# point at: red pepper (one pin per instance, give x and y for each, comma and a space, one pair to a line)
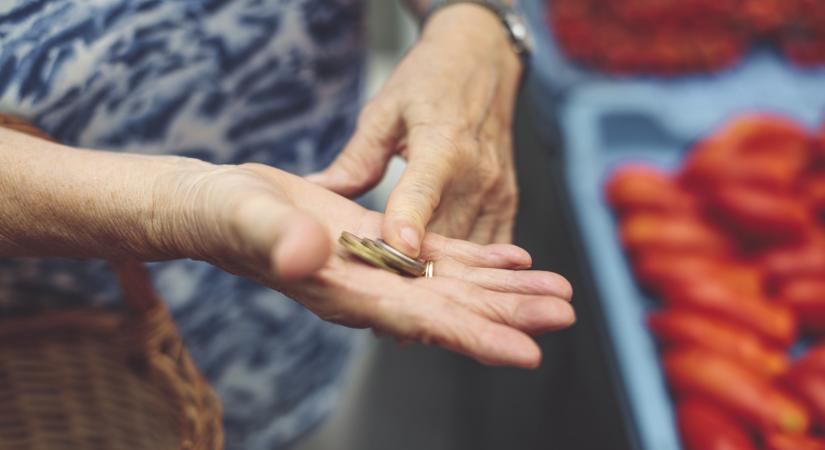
637, 188
779, 441
704, 426
761, 214
676, 328
809, 386
813, 359
773, 322
814, 192
764, 151
805, 50
748, 396
651, 232
819, 148
806, 297
659, 271
704, 171
785, 263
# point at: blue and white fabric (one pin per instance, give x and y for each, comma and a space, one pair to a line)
271, 81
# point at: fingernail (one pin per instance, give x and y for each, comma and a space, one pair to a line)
410, 236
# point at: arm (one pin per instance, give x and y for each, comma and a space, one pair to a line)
261, 223
70, 202
58, 201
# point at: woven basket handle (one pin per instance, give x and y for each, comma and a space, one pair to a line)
132, 276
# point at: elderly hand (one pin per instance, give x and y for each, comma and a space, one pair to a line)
262, 223
265, 224
447, 110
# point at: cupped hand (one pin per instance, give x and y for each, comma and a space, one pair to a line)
281, 230
447, 110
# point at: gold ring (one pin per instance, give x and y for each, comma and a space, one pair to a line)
429, 269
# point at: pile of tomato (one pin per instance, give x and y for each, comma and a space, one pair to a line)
733, 246
669, 37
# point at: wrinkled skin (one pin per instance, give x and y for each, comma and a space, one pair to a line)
447, 109
262, 223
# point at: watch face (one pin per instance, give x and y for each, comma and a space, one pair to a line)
518, 29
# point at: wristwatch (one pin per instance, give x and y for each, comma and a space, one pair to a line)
513, 23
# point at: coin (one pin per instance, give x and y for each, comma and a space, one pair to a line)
389, 259
380, 254
355, 247
399, 260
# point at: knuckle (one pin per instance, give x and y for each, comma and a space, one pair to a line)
349, 162
510, 199
453, 140
489, 176
371, 110
371, 119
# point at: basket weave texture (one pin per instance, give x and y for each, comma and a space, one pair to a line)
102, 380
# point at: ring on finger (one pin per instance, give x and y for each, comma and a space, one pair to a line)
429, 269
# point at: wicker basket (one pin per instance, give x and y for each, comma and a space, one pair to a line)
101, 380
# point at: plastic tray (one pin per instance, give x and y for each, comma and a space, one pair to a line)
607, 122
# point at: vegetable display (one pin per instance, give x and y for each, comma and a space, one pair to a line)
732, 245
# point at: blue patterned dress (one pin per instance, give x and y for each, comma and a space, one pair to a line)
272, 81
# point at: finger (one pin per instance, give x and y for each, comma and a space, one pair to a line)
356, 295
418, 193
293, 243
529, 313
362, 163
460, 330
424, 315
502, 256
532, 282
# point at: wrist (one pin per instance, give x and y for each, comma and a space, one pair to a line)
181, 218
477, 30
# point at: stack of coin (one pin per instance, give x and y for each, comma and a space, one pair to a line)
380, 254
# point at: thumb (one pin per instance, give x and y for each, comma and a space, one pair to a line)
292, 242
412, 203
361, 164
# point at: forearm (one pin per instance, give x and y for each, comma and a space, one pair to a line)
59, 201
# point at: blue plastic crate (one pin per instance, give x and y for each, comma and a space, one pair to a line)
606, 122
